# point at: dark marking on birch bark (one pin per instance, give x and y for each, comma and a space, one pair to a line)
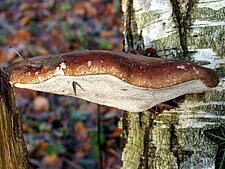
174, 146
129, 21
182, 12
133, 38
140, 119
125, 129
146, 160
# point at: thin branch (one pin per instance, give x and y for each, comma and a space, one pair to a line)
22, 57
99, 137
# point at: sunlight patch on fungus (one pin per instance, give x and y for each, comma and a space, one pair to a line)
59, 69
89, 63
181, 67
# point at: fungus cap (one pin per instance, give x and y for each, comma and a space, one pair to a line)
129, 82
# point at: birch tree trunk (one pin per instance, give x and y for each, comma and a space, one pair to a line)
188, 30
13, 152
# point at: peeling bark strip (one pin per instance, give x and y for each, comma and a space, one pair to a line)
13, 152
182, 11
174, 146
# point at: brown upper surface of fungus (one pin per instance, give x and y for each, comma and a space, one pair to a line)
137, 70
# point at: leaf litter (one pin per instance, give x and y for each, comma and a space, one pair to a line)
61, 132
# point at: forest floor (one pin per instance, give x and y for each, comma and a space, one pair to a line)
61, 132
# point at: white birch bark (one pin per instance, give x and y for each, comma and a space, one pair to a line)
188, 30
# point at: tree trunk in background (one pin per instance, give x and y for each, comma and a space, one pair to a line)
13, 152
188, 30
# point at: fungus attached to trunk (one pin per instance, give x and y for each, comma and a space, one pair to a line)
126, 81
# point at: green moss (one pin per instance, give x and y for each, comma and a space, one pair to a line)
221, 70
209, 96
213, 109
168, 47
171, 41
209, 14
145, 17
196, 97
208, 37
172, 118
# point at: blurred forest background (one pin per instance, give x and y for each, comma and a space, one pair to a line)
61, 132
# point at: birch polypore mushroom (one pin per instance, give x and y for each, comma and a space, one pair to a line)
126, 81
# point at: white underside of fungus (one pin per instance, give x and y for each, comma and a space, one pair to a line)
111, 91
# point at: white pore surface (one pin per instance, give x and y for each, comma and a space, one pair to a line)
111, 91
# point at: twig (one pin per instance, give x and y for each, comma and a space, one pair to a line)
72, 165
75, 84
99, 137
22, 57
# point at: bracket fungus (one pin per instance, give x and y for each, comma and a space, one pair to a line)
130, 82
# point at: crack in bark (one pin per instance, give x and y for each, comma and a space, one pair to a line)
134, 40
174, 145
182, 14
129, 23
140, 119
148, 149
4, 91
125, 130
